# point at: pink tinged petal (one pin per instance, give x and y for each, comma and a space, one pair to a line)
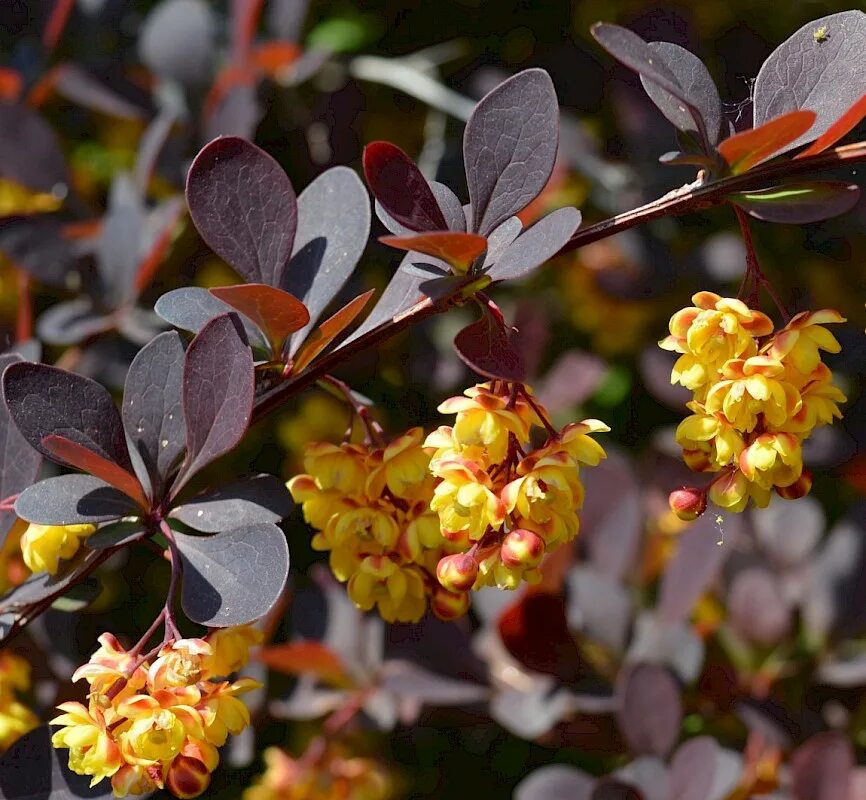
706, 300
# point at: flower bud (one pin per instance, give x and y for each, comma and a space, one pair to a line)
522, 548
457, 572
799, 488
187, 777
449, 605
688, 503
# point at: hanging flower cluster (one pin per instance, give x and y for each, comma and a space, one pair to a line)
42, 546
15, 718
157, 724
501, 503
330, 775
757, 397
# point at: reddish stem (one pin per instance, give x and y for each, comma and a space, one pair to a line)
24, 315
754, 266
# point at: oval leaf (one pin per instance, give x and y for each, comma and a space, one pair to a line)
244, 207
233, 577
555, 781
277, 313
509, 147
30, 152
821, 766
841, 127
45, 401
535, 246
116, 534
177, 41
650, 709
693, 769
72, 500
821, 68
400, 187
747, 149
458, 249
72, 322
800, 203
485, 347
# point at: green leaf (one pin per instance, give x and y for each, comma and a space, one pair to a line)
347, 34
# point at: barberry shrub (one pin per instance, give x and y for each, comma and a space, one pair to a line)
137, 441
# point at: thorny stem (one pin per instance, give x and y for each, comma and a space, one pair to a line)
176, 569
754, 266
24, 314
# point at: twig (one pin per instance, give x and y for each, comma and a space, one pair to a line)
754, 266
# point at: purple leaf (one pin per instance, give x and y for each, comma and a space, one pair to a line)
555, 782
72, 500
788, 532
152, 410
150, 146
610, 789
190, 308
333, 226
244, 207
233, 577
536, 245
486, 347
236, 114
821, 768
599, 606
72, 322
452, 208
572, 379
30, 152
286, 18
177, 41
800, 203
509, 147
628, 48
703, 549
46, 401
697, 86
262, 498
119, 247
500, 240
693, 769
218, 384
757, 607
37, 245
650, 710
821, 68
79, 86
401, 189
413, 682
116, 534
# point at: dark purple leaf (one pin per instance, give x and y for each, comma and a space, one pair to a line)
41, 586
152, 410
698, 88
650, 709
119, 247
401, 189
244, 207
72, 500
628, 48
79, 86
262, 498
233, 577
676, 158
72, 322
703, 548
485, 346
34, 770
333, 226
572, 379
30, 153
536, 245
449, 203
177, 41
839, 129
139, 325
218, 384
788, 532
800, 203
509, 147
693, 769
821, 68
46, 401
501, 239
115, 534
555, 782
37, 245
757, 607
611, 789
599, 606
191, 308
821, 768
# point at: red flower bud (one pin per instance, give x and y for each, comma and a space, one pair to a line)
799, 488
449, 605
688, 503
187, 777
522, 548
457, 572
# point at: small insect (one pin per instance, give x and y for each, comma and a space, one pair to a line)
821, 34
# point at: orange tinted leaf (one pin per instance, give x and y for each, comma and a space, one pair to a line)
742, 151
10, 85
458, 249
57, 20
86, 229
77, 455
276, 312
271, 57
305, 658
842, 126
331, 328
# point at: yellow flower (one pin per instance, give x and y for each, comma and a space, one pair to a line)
339, 467
820, 403
15, 720
157, 732
230, 649
709, 441
222, 712
734, 490
179, 664
396, 590
772, 459
319, 505
43, 546
800, 342
575, 440
464, 500
136, 779
92, 751
403, 468
751, 389
108, 664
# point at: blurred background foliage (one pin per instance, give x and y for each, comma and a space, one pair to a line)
589, 323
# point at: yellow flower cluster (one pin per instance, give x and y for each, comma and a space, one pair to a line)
757, 397
332, 775
371, 510
501, 503
154, 725
15, 718
42, 546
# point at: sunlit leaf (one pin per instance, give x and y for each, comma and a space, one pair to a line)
332, 327
800, 203
747, 149
458, 249
485, 346
305, 658
842, 126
